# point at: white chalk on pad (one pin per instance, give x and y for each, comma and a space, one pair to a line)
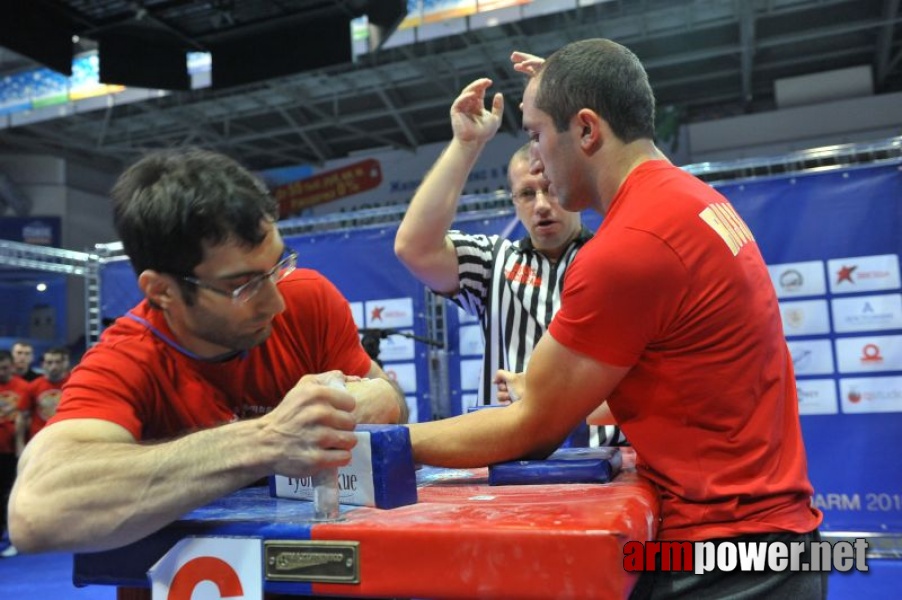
381, 472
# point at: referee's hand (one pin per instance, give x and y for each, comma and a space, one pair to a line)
510, 386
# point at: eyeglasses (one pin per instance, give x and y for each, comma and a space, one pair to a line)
245, 292
528, 195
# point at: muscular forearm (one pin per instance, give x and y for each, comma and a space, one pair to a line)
420, 242
434, 206
85, 484
86, 496
478, 439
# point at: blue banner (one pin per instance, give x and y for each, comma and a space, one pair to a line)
832, 241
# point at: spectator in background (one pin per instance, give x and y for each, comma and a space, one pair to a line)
13, 391
43, 396
23, 356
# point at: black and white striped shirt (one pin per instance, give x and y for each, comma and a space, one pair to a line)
514, 291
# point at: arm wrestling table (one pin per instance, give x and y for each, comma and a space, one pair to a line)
462, 539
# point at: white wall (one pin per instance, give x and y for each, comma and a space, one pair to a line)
778, 132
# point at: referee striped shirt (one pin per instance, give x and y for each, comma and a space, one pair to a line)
514, 290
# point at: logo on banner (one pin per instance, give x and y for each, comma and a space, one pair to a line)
865, 273
795, 317
817, 397
805, 317
38, 233
209, 569
871, 395
811, 357
390, 313
870, 353
328, 186
791, 280
867, 313
798, 279
845, 274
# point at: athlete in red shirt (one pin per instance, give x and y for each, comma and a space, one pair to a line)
670, 315
13, 392
43, 395
228, 330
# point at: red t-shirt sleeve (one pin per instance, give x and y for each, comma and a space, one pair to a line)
620, 295
337, 343
107, 386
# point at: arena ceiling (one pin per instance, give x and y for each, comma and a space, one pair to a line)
707, 59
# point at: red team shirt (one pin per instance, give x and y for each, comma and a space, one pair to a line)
674, 286
12, 395
41, 403
138, 377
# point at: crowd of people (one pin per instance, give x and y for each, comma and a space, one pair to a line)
665, 318
28, 399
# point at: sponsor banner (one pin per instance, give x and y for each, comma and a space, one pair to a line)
201, 568
869, 353
390, 313
468, 400
404, 374
470, 341
864, 273
351, 184
40, 231
327, 186
817, 396
792, 280
470, 372
396, 347
870, 395
413, 410
867, 313
463, 316
811, 357
805, 317
357, 314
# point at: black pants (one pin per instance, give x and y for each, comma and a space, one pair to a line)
737, 585
7, 478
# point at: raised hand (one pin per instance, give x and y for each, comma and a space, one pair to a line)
470, 120
528, 64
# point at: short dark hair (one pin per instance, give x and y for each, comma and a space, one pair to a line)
169, 203
6, 355
601, 75
59, 350
520, 154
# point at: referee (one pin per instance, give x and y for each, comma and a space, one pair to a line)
513, 287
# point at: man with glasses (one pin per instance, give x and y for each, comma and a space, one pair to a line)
512, 286
219, 378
